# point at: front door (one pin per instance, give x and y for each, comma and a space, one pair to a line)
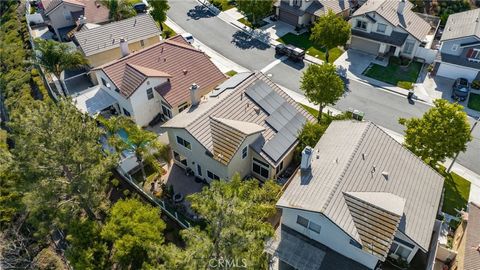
199, 170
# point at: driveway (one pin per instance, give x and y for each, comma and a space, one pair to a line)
354, 61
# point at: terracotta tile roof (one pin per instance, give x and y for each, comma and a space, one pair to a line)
93, 10
179, 61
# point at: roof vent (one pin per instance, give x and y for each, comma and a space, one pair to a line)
363, 156
306, 162
373, 169
185, 72
385, 174
257, 110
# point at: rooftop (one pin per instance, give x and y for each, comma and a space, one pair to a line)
107, 36
462, 24
93, 10
359, 160
471, 259
409, 20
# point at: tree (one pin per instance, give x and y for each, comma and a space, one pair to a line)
443, 131
60, 162
236, 213
48, 259
322, 86
144, 143
56, 57
255, 9
158, 11
330, 31
310, 135
135, 230
119, 9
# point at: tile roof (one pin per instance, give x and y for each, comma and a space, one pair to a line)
336, 6
471, 259
360, 157
178, 60
234, 104
462, 24
94, 11
409, 21
107, 36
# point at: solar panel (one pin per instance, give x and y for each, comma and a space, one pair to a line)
230, 83
265, 96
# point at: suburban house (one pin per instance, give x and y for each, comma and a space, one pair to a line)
305, 12
390, 27
358, 195
459, 54
465, 246
247, 125
63, 15
156, 80
101, 44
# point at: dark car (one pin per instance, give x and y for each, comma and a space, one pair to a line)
140, 7
460, 89
292, 52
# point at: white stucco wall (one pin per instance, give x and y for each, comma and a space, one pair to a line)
57, 16
144, 110
122, 101
330, 235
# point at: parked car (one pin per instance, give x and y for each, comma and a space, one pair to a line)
140, 7
460, 89
293, 53
188, 37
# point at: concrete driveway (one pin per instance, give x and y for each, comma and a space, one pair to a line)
355, 62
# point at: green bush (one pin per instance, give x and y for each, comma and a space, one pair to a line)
115, 182
476, 84
126, 192
405, 85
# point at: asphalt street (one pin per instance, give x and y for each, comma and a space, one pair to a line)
380, 106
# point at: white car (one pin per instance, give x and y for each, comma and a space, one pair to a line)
188, 37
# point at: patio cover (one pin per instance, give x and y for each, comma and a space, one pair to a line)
94, 101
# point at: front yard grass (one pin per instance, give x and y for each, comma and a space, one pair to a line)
247, 22
223, 4
167, 31
474, 102
303, 41
457, 190
394, 73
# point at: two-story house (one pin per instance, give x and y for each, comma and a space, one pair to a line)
156, 80
63, 15
101, 44
247, 125
388, 27
459, 54
361, 196
305, 12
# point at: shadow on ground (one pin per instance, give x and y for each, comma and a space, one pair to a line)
199, 12
244, 41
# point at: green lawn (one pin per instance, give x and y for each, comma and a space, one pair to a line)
149, 172
474, 102
456, 194
310, 110
245, 21
231, 73
223, 4
303, 41
393, 73
167, 31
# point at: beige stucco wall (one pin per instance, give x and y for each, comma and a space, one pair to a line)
115, 53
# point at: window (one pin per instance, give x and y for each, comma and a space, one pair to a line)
67, 15
408, 48
180, 158
105, 83
261, 168
314, 227
381, 28
127, 113
199, 169
302, 221
142, 43
473, 54
279, 167
182, 106
400, 249
297, 3
244, 152
166, 111
149, 93
212, 175
455, 47
184, 143
361, 25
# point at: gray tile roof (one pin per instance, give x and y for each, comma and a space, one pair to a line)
462, 24
353, 157
106, 37
471, 259
409, 21
235, 104
395, 38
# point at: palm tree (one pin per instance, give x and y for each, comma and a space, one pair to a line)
56, 57
119, 9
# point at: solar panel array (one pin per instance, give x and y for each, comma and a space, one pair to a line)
283, 118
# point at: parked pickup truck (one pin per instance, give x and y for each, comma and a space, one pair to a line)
293, 53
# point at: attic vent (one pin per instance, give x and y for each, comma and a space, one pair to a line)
363, 156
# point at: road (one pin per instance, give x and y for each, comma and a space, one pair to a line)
381, 107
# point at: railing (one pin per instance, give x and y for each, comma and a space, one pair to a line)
166, 208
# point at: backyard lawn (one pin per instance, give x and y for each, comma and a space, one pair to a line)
457, 190
303, 41
393, 73
474, 102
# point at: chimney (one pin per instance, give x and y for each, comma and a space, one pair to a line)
195, 94
401, 7
81, 20
306, 158
124, 47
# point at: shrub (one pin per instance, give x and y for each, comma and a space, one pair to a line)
476, 84
405, 85
115, 182
126, 192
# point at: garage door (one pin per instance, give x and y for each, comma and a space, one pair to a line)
454, 72
365, 45
287, 17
